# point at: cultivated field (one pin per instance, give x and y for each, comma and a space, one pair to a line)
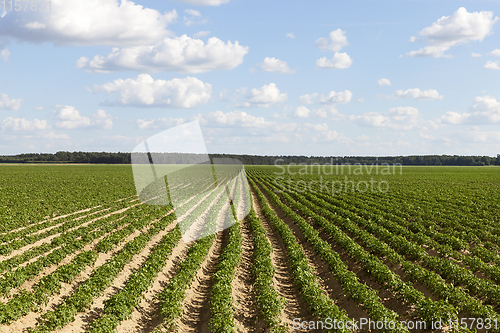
409, 247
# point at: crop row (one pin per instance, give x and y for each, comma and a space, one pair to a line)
350, 283
455, 295
100, 279
173, 294
426, 309
121, 305
303, 275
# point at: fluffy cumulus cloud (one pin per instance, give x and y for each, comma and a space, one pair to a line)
21, 124
332, 97
416, 93
301, 112
495, 53
290, 35
144, 91
264, 96
90, 22
7, 103
336, 97
275, 65
205, 2
484, 111
334, 43
398, 118
159, 123
67, 117
384, 82
5, 54
179, 54
235, 118
304, 112
459, 28
339, 61
492, 65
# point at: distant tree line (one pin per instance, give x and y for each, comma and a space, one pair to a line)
126, 158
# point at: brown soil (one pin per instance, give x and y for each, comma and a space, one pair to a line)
196, 308
246, 315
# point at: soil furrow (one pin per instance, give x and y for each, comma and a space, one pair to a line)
246, 314
196, 308
295, 306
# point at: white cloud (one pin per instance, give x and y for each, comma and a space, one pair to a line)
326, 110
335, 42
54, 136
205, 2
495, 53
193, 17
416, 93
339, 61
264, 96
476, 55
192, 12
69, 118
301, 112
384, 82
159, 123
333, 97
7, 103
317, 127
236, 118
144, 91
492, 64
336, 97
179, 54
39, 108
484, 111
304, 112
200, 34
275, 65
371, 119
308, 98
454, 118
90, 22
5, 54
20, 124
403, 113
398, 118
460, 28
290, 35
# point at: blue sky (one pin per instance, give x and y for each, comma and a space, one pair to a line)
267, 78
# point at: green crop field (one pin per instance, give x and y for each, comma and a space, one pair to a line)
352, 248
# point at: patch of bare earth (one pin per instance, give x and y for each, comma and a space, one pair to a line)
295, 306
82, 320
196, 307
146, 317
246, 314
